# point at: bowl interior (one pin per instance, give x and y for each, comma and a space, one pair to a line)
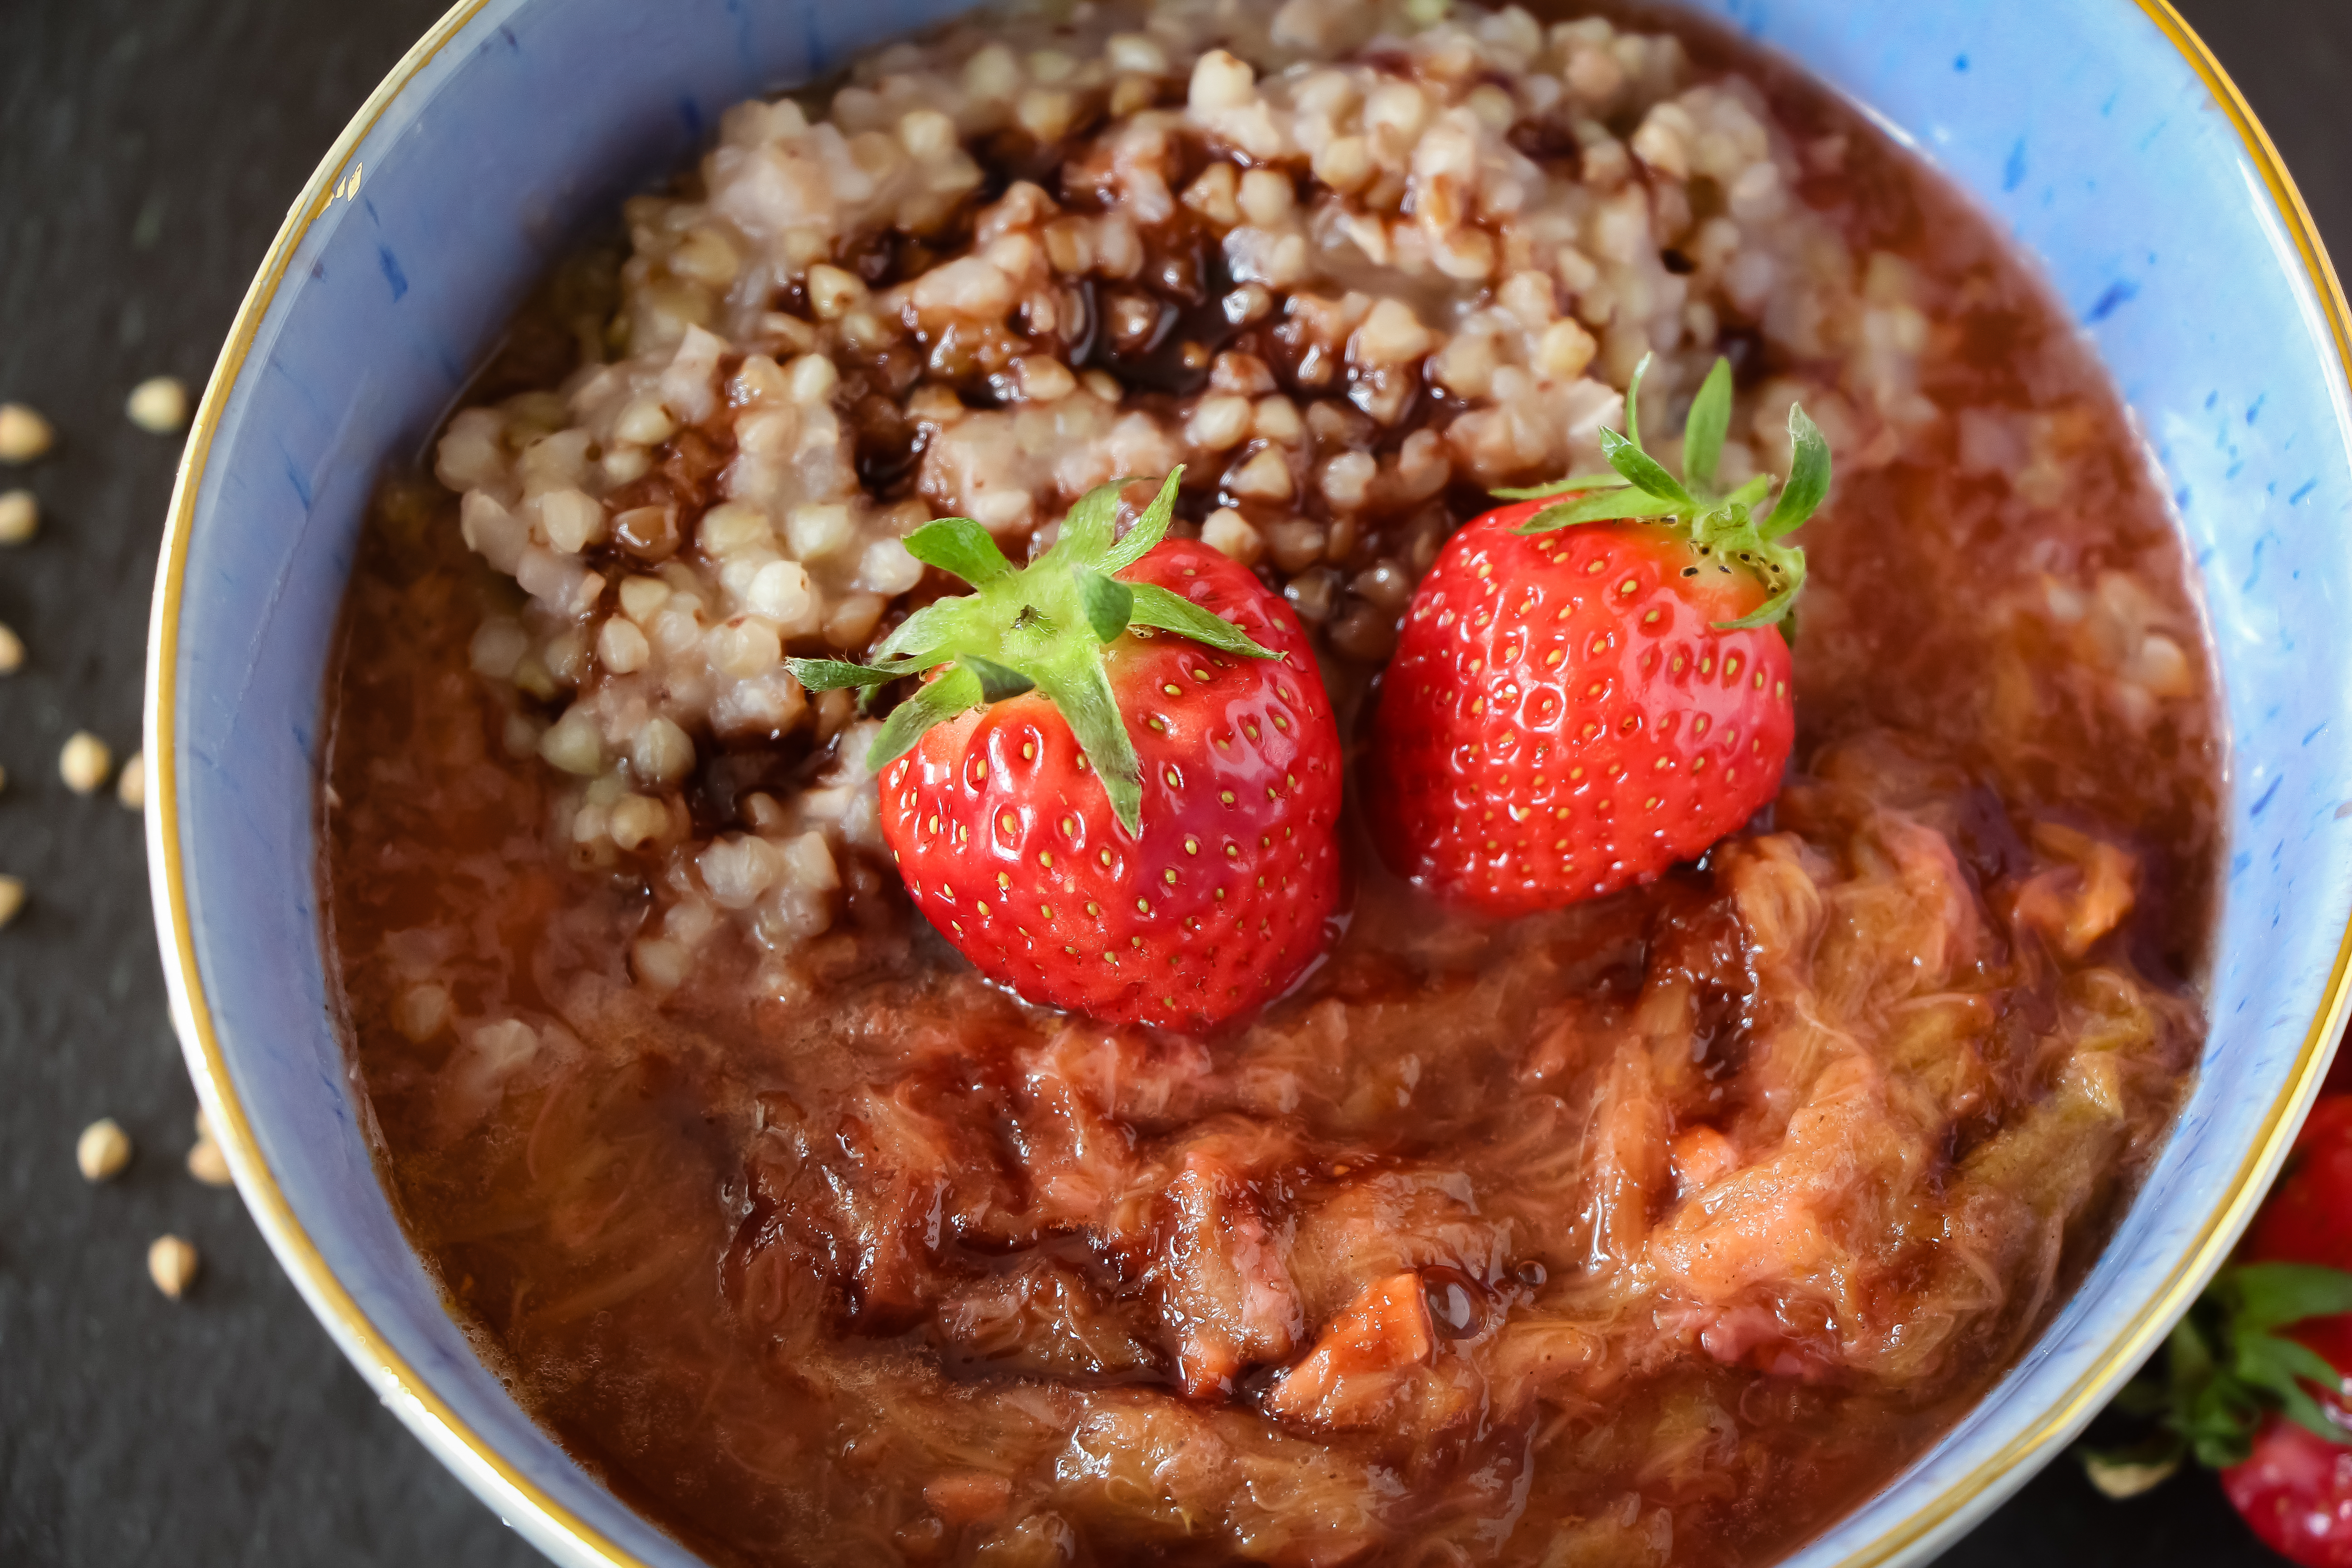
2086, 129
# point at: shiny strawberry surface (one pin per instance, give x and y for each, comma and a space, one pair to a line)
1563, 719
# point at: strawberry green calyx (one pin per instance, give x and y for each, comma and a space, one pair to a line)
1043, 627
2225, 1368
1726, 526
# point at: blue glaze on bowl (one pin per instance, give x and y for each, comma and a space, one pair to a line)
2084, 128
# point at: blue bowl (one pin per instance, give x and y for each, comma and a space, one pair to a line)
2100, 132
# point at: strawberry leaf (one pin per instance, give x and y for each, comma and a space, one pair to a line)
2265, 1296
2212, 1410
2280, 1367
997, 682
1089, 536
834, 674
1809, 476
1608, 482
1089, 530
2268, 1361
2188, 1355
960, 547
1084, 696
1644, 471
1608, 505
1708, 424
1633, 401
1169, 612
1149, 528
919, 637
1109, 603
957, 691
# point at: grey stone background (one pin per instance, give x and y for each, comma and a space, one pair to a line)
148, 151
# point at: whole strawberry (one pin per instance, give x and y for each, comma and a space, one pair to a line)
1120, 794
2256, 1379
2293, 1481
1589, 685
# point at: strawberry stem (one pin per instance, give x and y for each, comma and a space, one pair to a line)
1040, 627
1641, 488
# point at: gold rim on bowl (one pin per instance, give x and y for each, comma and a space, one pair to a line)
517, 1494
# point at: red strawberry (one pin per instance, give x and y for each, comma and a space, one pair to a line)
1123, 791
1590, 689
2294, 1491
2257, 1379
2295, 1485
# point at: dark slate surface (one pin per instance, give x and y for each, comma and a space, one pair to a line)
148, 150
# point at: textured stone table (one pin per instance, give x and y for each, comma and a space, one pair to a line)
148, 150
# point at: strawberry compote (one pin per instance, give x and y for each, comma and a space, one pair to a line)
1656, 1230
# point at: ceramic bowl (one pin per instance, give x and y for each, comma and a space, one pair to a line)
2099, 131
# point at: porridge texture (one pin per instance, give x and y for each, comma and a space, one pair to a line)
1655, 1230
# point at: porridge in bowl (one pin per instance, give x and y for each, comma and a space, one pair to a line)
1433, 1115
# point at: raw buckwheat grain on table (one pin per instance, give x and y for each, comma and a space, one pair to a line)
1657, 1230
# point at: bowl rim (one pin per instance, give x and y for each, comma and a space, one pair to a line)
414, 1398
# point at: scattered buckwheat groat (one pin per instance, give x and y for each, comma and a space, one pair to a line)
12, 652
131, 788
23, 434
12, 898
102, 1150
158, 405
208, 1164
20, 517
172, 1264
85, 762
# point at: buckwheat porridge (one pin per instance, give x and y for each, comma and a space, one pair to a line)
1654, 1227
